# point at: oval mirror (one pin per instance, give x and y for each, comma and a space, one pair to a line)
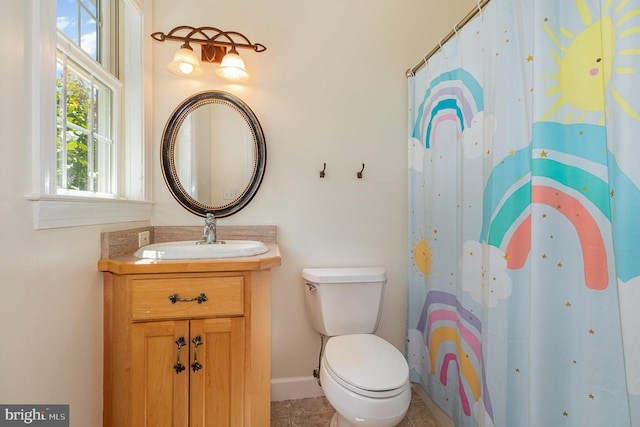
213, 154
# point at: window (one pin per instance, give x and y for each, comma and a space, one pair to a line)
89, 152
86, 108
87, 100
81, 21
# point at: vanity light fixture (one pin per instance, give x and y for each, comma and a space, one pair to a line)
217, 47
185, 63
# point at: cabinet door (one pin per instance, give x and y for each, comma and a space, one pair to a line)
217, 388
159, 391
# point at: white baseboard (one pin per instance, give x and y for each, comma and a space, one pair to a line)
294, 388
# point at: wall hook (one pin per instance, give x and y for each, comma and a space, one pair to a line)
322, 172
360, 173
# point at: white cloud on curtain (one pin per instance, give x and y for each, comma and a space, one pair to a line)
524, 200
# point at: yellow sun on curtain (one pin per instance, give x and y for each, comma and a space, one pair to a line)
587, 63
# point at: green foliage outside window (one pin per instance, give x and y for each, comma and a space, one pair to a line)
76, 165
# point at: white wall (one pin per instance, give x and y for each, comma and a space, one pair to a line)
50, 289
330, 88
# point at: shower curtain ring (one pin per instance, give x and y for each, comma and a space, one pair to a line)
479, 8
455, 29
442, 49
424, 61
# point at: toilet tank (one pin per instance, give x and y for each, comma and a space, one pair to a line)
341, 301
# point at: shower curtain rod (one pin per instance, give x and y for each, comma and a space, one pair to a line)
481, 4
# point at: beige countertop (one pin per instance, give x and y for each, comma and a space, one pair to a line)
129, 264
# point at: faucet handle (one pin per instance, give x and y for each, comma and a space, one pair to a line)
210, 219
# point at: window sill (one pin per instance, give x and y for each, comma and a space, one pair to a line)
57, 211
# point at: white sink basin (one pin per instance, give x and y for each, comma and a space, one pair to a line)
192, 250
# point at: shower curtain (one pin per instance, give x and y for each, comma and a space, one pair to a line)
524, 217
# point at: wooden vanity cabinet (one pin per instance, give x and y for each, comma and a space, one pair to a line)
210, 396
187, 349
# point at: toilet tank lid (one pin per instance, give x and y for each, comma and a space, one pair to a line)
344, 275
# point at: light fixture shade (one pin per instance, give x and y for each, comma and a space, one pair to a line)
232, 68
185, 63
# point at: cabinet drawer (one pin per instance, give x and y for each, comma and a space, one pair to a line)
177, 298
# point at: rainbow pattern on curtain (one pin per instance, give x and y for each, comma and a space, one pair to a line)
524, 216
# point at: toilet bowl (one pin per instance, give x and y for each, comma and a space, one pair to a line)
366, 380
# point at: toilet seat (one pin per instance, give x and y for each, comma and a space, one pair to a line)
367, 365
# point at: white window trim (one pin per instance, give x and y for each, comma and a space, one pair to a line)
55, 211
52, 210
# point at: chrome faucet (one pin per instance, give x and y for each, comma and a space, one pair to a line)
209, 229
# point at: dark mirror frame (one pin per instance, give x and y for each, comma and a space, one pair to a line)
167, 151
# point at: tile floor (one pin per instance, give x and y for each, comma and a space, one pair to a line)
317, 412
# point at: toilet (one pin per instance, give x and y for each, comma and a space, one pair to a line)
365, 378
